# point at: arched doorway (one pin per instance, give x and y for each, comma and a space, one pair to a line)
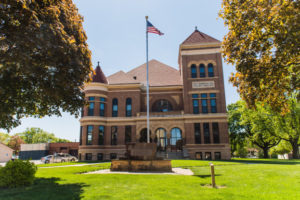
161, 139
143, 136
176, 141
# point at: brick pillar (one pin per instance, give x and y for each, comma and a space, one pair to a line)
97, 106
121, 135
211, 133
107, 135
95, 135
202, 133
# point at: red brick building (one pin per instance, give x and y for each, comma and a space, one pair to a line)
187, 107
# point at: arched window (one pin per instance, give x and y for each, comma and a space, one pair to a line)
162, 105
193, 71
210, 70
115, 107
161, 136
202, 70
176, 139
143, 136
128, 107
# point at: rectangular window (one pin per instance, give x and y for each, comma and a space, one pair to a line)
102, 106
210, 70
88, 156
197, 133
204, 105
198, 155
114, 135
217, 155
206, 133
195, 106
101, 135
89, 138
113, 156
80, 136
207, 155
127, 134
91, 106
216, 134
100, 156
213, 103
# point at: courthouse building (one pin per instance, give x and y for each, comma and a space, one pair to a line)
187, 107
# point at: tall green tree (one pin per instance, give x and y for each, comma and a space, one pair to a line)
238, 132
263, 131
288, 126
37, 135
44, 59
263, 43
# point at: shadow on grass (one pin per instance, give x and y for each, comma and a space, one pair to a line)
265, 161
44, 188
206, 176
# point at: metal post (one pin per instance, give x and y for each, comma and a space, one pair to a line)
148, 121
213, 181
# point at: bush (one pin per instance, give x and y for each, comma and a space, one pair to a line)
17, 173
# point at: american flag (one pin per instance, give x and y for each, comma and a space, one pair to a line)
152, 29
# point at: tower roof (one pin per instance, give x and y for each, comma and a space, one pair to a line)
99, 76
198, 37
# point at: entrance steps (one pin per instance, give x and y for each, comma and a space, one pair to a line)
170, 155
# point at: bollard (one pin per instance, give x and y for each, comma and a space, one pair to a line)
213, 181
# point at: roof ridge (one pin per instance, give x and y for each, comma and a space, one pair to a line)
194, 38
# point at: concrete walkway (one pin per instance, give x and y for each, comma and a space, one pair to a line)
175, 171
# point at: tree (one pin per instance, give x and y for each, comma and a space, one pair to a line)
44, 59
263, 131
37, 135
288, 126
263, 43
15, 142
237, 131
4, 138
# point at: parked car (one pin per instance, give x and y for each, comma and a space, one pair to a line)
60, 157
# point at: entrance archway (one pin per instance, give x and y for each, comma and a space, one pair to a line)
143, 136
161, 139
176, 141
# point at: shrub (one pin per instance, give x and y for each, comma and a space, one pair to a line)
17, 173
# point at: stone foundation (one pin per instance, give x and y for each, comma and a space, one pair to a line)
141, 165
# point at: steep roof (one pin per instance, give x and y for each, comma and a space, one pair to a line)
3, 146
198, 37
159, 75
99, 75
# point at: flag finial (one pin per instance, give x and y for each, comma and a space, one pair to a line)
146, 17
98, 63
196, 28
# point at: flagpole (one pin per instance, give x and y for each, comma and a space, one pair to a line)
148, 121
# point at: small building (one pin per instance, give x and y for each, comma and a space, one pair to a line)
33, 151
64, 147
36, 151
5, 153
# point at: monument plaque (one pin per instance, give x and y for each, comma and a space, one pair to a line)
203, 84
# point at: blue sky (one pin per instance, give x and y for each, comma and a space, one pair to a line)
116, 37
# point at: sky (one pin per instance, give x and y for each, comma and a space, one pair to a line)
116, 38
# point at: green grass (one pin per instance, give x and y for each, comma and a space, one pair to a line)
68, 163
261, 179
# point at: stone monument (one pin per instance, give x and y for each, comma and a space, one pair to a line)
141, 157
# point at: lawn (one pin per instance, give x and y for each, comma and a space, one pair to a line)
240, 178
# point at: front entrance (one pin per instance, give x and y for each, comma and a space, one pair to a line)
161, 139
